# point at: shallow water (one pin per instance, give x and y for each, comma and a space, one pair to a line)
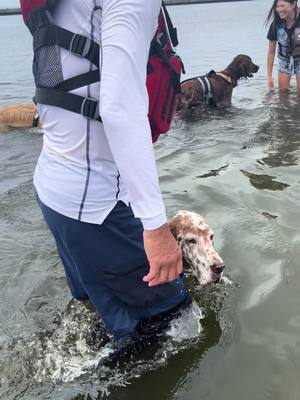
240, 169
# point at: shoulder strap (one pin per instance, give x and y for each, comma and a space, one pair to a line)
171, 28
77, 44
297, 23
29, 7
51, 4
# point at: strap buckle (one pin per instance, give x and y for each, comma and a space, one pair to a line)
80, 45
89, 108
162, 40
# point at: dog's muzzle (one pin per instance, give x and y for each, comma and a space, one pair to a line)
217, 268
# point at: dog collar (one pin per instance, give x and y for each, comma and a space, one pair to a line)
226, 77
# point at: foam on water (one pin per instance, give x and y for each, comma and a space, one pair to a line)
65, 354
188, 326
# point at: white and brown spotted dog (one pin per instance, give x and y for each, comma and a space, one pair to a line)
195, 237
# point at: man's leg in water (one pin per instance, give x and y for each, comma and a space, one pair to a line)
107, 263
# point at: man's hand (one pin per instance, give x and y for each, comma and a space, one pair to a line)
164, 256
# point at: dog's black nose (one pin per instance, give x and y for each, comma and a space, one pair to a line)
217, 268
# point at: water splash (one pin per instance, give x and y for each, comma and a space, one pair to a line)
188, 326
69, 352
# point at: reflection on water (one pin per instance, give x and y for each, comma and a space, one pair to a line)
282, 130
264, 181
213, 172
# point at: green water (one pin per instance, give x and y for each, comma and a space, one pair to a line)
240, 169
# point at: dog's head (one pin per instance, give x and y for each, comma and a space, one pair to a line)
195, 238
244, 66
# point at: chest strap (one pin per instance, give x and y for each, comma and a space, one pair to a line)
85, 106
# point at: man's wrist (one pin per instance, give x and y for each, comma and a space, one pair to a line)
156, 222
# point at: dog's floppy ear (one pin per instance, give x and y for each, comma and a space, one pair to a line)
239, 65
244, 64
244, 70
174, 225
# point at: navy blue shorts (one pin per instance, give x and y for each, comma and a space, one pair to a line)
106, 264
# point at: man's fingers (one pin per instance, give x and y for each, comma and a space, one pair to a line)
157, 275
163, 275
172, 273
153, 273
164, 256
179, 266
149, 277
154, 282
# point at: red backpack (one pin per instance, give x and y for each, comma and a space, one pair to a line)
163, 70
163, 78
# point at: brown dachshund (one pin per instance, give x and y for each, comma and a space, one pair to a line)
18, 116
215, 88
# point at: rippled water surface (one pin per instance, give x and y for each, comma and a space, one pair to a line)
240, 169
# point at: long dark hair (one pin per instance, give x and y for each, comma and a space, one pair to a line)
273, 15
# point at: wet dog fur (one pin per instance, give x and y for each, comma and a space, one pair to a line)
17, 116
195, 237
192, 101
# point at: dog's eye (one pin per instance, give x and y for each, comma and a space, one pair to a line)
191, 241
211, 237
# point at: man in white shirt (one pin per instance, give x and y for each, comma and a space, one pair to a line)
88, 172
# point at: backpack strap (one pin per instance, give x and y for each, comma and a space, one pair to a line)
79, 45
85, 106
295, 40
170, 26
69, 101
87, 78
164, 40
46, 34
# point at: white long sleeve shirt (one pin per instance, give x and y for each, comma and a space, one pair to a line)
85, 167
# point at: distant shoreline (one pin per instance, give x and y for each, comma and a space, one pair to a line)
10, 11
188, 2
17, 11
